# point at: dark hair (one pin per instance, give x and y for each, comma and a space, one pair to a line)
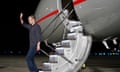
32, 16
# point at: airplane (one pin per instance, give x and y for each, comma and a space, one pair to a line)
99, 19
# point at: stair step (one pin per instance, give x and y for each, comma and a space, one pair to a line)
41, 71
74, 22
63, 51
46, 66
44, 71
58, 44
57, 59
66, 43
53, 58
71, 24
59, 51
76, 28
73, 36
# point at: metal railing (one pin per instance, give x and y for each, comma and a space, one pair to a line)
56, 17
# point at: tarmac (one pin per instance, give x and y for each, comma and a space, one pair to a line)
17, 63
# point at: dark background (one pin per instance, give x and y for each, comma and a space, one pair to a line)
14, 37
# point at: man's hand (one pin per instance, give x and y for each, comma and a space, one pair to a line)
38, 46
21, 16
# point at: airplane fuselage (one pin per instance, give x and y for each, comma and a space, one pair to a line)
100, 18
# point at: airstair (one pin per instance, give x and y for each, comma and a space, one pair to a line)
72, 52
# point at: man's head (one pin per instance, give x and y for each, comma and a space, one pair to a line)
31, 19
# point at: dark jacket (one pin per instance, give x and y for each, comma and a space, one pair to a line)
34, 34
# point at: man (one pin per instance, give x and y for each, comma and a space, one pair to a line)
35, 39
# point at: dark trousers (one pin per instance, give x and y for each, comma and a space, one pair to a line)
30, 59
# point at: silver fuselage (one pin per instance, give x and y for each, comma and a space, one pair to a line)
101, 18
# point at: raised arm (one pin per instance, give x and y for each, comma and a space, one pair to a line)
21, 18
23, 23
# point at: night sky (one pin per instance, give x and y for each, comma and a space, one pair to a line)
14, 36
